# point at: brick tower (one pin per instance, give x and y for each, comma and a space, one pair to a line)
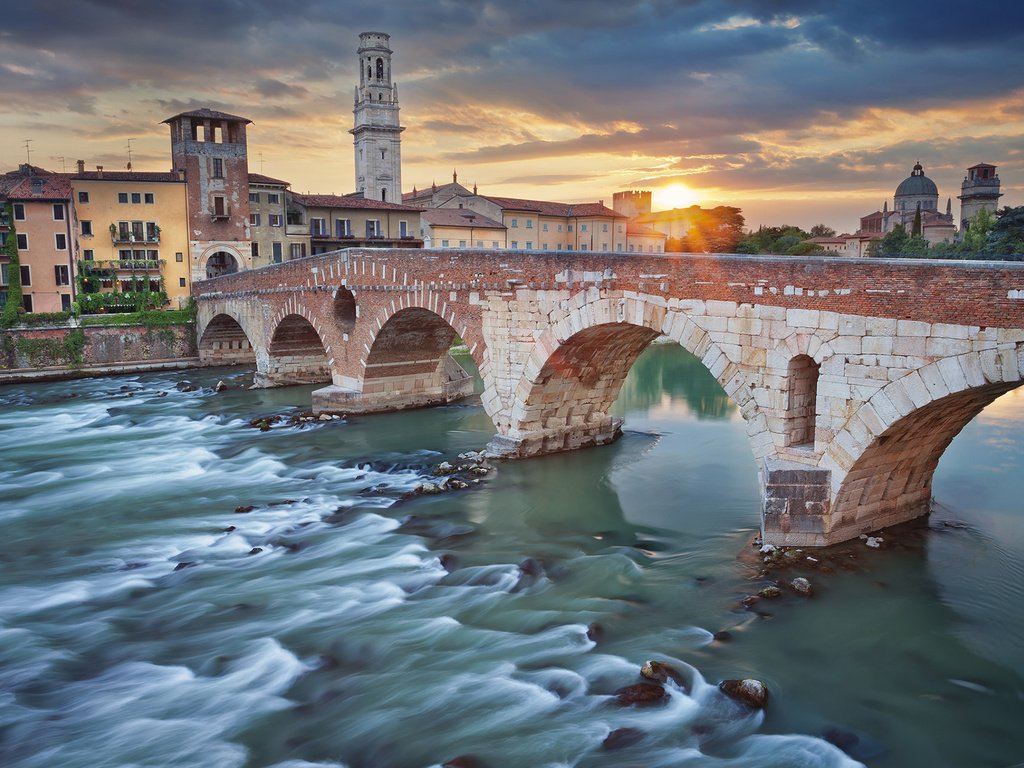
209, 148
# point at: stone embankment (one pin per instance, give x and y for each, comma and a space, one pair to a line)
65, 351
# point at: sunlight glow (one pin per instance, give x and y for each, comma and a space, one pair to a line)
675, 195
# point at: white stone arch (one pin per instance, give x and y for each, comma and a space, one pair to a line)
590, 310
883, 459
225, 348
203, 259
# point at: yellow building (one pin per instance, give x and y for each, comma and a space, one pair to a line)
132, 231
455, 228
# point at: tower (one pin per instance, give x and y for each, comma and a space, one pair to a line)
980, 189
209, 149
376, 132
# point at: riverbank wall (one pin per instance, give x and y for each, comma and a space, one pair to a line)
46, 353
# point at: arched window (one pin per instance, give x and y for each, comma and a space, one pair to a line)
369, 72
803, 396
384, 195
380, 69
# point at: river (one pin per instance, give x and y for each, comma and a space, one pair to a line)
146, 622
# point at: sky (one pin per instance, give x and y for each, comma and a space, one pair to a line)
796, 111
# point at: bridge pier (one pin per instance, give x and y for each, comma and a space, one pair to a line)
557, 439
795, 504
445, 382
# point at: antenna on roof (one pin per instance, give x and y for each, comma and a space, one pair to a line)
130, 154
261, 162
28, 151
63, 164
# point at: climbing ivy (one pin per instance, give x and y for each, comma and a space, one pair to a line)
67, 350
12, 308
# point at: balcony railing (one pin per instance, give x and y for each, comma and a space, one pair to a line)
122, 265
122, 238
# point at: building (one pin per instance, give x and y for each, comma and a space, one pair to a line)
979, 190
461, 228
268, 220
376, 132
340, 221
132, 231
632, 203
44, 226
830, 244
209, 147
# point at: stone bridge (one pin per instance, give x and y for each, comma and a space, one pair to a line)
853, 375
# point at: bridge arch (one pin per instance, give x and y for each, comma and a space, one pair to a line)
883, 461
577, 367
224, 341
297, 352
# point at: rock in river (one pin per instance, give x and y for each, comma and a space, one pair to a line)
751, 692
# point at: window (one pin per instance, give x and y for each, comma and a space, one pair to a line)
569, 227
58, 212
343, 227
515, 222
149, 197
298, 250
138, 232
373, 227
60, 241
277, 253
583, 227
178, 257
22, 242
462, 243
545, 246
219, 209
19, 212
604, 246
479, 243
274, 219
26, 275
317, 226
529, 223
559, 227
494, 243
620, 229
515, 243
444, 243
181, 282
152, 232
83, 197
152, 254
218, 168
529, 245
273, 199
254, 197
136, 198
60, 274
125, 254
254, 219
86, 228
604, 227
403, 229
26, 301
255, 250
65, 302
803, 394
544, 226
87, 254
122, 197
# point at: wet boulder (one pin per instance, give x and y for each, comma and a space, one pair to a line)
622, 737
660, 672
751, 692
641, 695
220, 386
770, 592
801, 586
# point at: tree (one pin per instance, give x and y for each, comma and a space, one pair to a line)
820, 230
716, 230
915, 230
1006, 238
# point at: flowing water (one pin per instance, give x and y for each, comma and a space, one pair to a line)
145, 622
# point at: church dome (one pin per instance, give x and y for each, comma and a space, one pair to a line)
917, 185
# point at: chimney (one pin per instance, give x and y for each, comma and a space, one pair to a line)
81, 166
601, 203
99, 171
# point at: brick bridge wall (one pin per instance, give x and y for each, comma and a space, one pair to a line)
896, 356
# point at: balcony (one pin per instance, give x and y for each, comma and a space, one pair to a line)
122, 238
121, 265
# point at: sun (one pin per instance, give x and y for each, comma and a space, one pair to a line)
675, 195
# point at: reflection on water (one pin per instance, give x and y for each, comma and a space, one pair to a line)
145, 621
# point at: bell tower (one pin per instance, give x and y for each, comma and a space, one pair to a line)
376, 133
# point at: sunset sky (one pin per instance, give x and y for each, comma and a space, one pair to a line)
797, 111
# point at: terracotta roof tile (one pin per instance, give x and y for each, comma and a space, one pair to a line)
259, 178
342, 201
126, 176
554, 209
459, 217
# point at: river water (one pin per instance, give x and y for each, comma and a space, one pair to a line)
145, 622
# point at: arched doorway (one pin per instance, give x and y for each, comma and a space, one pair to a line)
221, 263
